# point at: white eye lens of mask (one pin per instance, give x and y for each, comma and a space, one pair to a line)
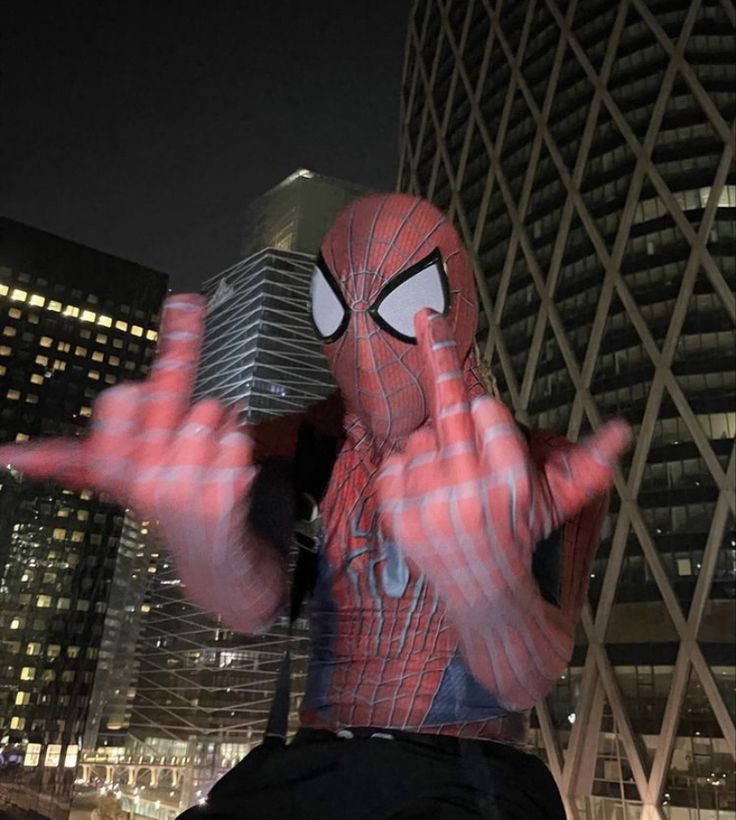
422, 286
329, 313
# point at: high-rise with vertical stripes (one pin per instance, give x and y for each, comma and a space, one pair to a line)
585, 151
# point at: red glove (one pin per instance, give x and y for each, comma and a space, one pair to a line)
467, 504
188, 467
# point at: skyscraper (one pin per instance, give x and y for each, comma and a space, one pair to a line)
585, 151
74, 321
203, 693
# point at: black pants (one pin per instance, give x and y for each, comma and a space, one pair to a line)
413, 777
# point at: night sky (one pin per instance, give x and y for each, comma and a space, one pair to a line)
145, 128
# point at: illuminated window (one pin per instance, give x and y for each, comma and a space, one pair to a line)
21, 437
72, 651
85, 495
80, 351
43, 601
33, 754
85, 411
63, 603
42, 360
37, 300
28, 673
71, 310
105, 321
136, 330
77, 536
16, 623
32, 398
151, 335
48, 675
54, 305
22, 698
97, 356
101, 339
13, 395
63, 512
53, 650
64, 347
120, 325
59, 364
3, 290
3, 369
5, 350
17, 722
94, 374
8, 330
53, 755
46, 341
15, 313
19, 295
33, 648
88, 316
113, 360
70, 759
59, 534
110, 379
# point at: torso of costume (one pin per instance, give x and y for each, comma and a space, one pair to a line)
384, 653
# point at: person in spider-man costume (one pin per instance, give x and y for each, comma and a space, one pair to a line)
455, 551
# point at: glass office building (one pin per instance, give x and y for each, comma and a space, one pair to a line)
202, 695
585, 151
72, 322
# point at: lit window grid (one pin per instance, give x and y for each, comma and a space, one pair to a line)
17, 294
38, 604
100, 346
440, 173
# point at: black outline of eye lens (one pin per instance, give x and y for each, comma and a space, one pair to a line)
433, 258
322, 265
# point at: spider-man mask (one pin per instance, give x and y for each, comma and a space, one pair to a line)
385, 258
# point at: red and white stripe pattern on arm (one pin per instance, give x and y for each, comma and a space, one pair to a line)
189, 468
467, 503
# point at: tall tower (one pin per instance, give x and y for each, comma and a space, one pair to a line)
72, 322
584, 150
204, 692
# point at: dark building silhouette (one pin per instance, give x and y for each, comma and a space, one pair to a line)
72, 321
585, 152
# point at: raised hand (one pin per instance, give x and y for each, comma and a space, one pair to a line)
190, 468
467, 504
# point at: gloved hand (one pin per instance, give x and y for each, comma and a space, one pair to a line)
467, 504
188, 468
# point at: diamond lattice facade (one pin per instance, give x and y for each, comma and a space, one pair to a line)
585, 151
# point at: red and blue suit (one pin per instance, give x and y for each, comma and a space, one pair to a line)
456, 546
